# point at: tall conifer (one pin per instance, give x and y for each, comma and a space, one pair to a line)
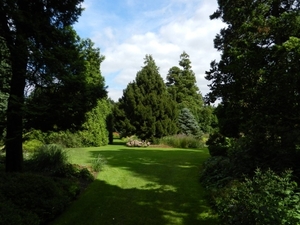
148, 109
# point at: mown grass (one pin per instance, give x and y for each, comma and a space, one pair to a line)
141, 186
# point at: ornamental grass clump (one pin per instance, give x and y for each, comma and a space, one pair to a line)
98, 163
49, 159
182, 141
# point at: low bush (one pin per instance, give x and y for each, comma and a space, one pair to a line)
216, 173
182, 141
28, 199
64, 138
126, 139
267, 198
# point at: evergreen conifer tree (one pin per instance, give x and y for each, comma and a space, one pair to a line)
188, 124
258, 77
146, 107
181, 85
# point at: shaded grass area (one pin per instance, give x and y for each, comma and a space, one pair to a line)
141, 186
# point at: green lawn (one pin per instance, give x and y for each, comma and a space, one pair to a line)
141, 186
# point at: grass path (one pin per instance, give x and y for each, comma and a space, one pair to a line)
138, 186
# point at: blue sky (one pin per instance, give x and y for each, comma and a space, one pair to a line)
127, 30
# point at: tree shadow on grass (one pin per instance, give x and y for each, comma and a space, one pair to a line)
162, 186
143, 186
118, 142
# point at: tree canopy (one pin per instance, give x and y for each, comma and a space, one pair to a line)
181, 84
62, 104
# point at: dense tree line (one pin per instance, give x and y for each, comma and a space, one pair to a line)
257, 77
257, 80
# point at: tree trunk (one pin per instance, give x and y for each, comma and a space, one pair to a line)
14, 153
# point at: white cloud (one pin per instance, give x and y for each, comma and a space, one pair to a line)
164, 33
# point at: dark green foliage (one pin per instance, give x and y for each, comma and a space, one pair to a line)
267, 198
145, 108
63, 105
66, 139
110, 128
257, 77
182, 86
49, 159
5, 76
229, 119
216, 173
28, 199
207, 119
93, 132
257, 80
41, 50
218, 145
188, 124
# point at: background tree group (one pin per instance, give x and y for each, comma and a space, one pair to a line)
257, 80
152, 109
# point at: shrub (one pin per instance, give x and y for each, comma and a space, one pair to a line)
85, 174
64, 138
32, 145
126, 139
27, 199
218, 144
182, 141
267, 198
216, 172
